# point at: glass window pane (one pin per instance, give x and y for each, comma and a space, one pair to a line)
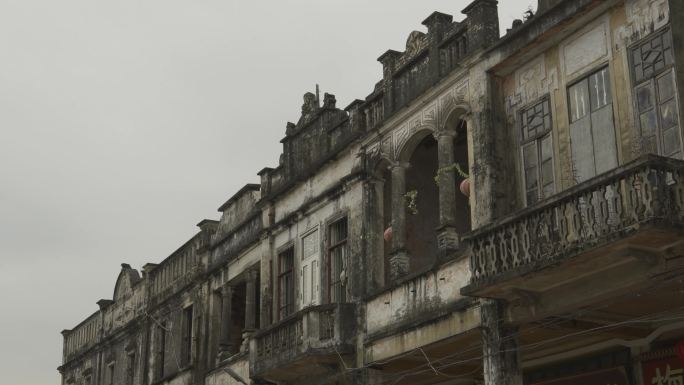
648, 123
668, 114
666, 86
546, 148
531, 178
532, 197
599, 86
548, 190
670, 141
530, 156
547, 173
644, 98
579, 101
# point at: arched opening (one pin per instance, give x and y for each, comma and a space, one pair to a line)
422, 204
386, 219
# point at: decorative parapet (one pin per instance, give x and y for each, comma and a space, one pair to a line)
82, 337
609, 207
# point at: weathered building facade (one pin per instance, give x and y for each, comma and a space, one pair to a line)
357, 260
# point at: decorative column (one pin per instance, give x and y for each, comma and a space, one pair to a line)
447, 237
250, 308
501, 359
399, 259
375, 214
226, 344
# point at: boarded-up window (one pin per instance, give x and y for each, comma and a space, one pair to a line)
537, 151
656, 95
592, 132
286, 285
337, 262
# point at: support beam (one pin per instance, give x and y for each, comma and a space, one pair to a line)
501, 359
446, 233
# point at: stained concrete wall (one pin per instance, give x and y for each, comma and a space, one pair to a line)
329, 160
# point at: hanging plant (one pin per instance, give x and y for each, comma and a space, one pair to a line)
411, 204
452, 167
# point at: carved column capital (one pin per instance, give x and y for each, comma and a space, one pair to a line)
449, 134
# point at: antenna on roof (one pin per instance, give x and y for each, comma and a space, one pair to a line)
318, 96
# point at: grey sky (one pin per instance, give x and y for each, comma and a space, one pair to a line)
124, 123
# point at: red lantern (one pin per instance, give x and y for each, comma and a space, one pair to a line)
388, 234
465, 187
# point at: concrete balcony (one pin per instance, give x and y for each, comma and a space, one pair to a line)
306, 344
617, 232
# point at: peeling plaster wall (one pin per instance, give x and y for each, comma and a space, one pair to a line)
414, 299
220, 377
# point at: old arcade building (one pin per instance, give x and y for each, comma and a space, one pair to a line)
502, 208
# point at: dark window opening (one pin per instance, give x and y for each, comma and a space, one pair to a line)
238, 315
161, 349
286, 284
130, 368
186, 344
337, 261
422, 205
386, 221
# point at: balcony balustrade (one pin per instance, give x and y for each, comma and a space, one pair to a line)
640, 204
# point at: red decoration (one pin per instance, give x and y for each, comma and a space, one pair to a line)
388, 234
465, 187
680, 350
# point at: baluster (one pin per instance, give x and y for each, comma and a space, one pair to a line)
504, 256
618, 204
526, 241
515, 248
603, 213
647, 193
633, 185
678, 194
562, 227
491, 255
590, 228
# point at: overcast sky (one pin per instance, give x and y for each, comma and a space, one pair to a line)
123, 123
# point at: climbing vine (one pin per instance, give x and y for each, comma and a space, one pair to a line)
452, 167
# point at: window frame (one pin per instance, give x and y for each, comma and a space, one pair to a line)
161, 348
537, 139
130, 367
188, 314
586, 76
285, 310
330, 249
652, 83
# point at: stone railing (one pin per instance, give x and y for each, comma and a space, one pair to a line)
611, 206
82, 337
316, 327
